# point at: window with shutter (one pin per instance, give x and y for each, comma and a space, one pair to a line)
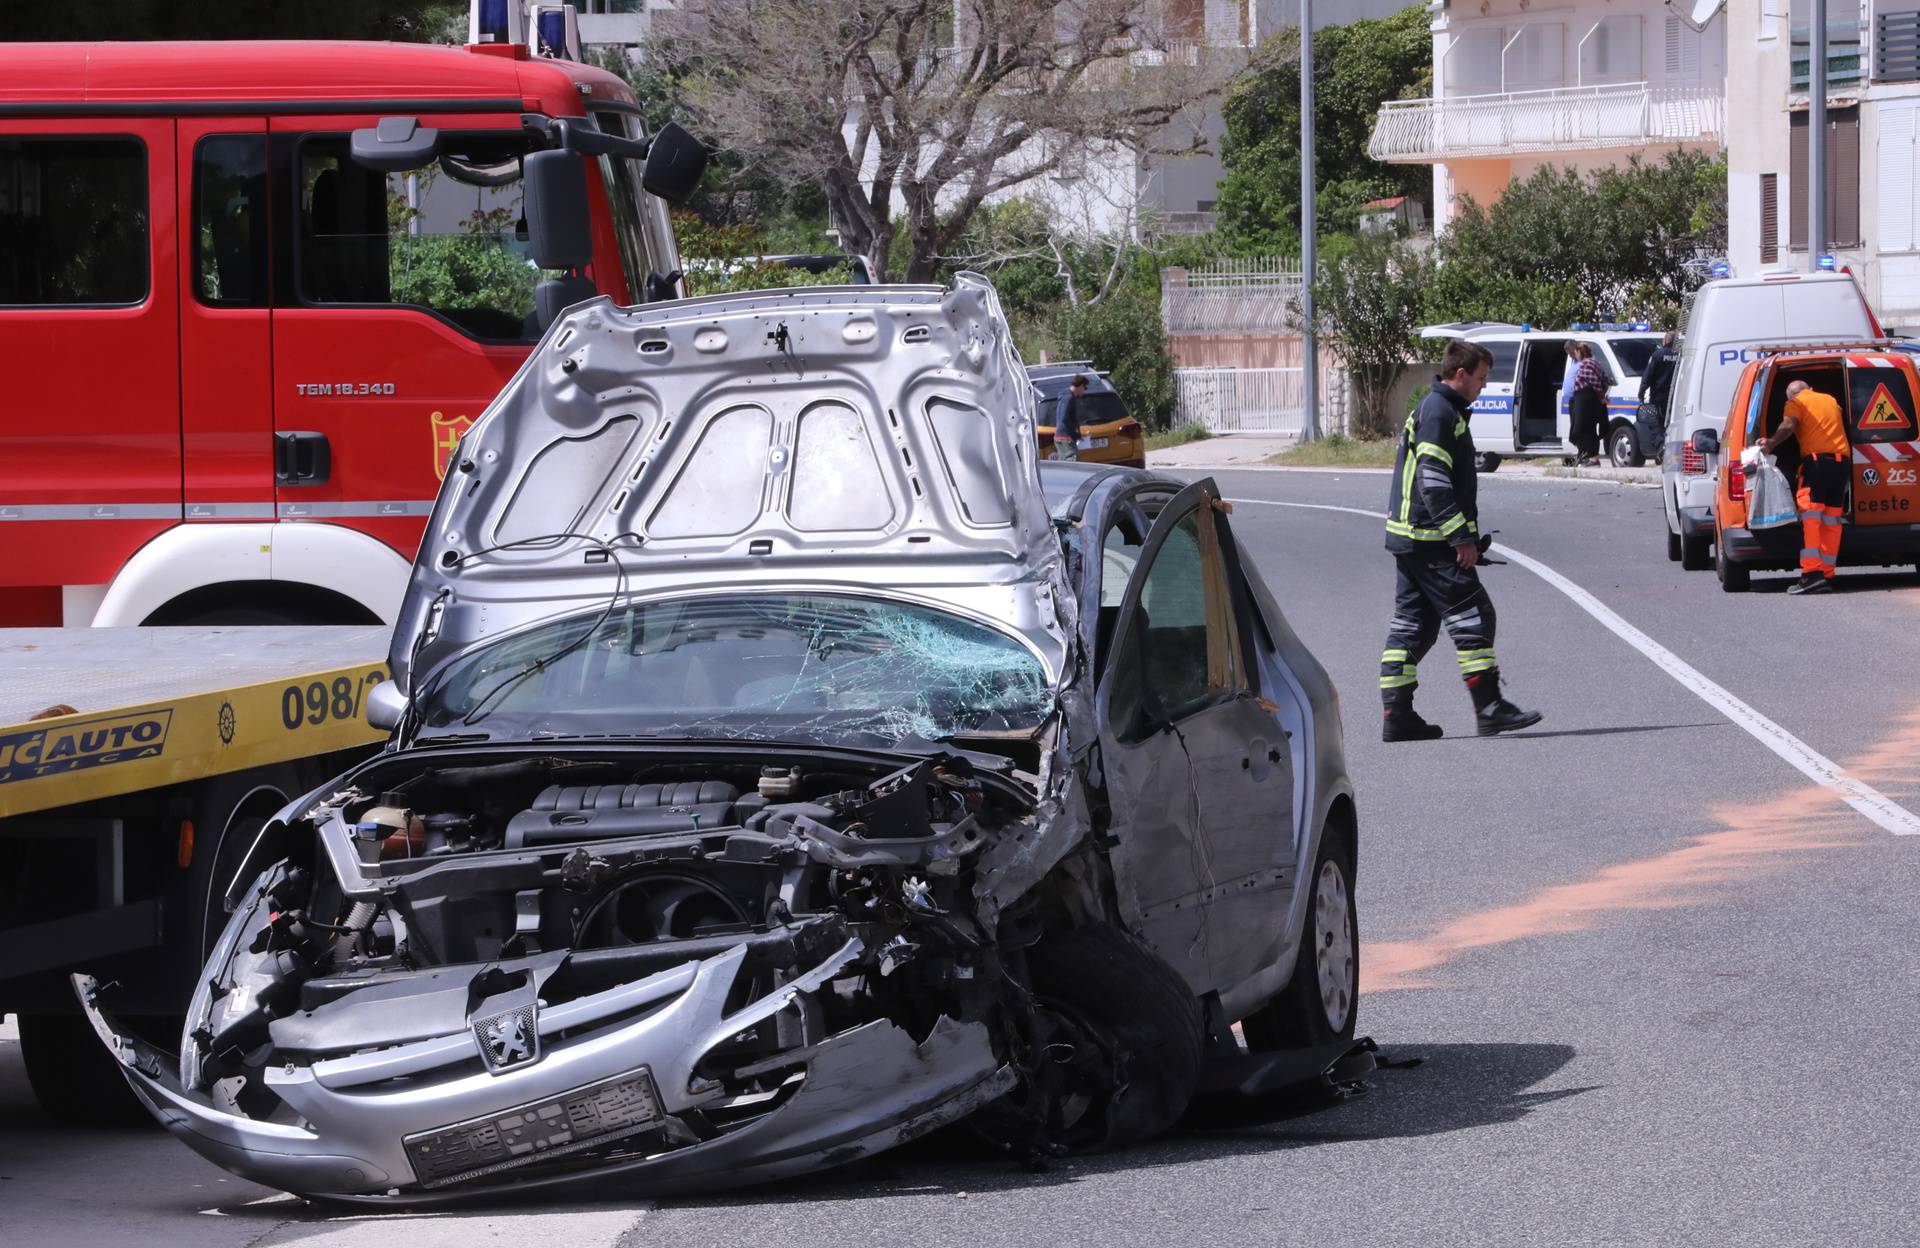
1683, 50
1894, 222
1769, 218
1843, 180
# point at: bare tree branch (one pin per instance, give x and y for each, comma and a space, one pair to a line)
933, 107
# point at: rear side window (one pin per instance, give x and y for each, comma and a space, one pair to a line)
1506, 357
1632, 354
230, 220
449, 238
73, 221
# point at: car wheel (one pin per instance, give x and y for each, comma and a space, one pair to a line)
1486, 461
1695, 553
1735, 578
1673, 546
72, 1074
1623, 447
1320, 1001
1118, 1042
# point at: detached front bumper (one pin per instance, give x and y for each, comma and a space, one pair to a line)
426, 1122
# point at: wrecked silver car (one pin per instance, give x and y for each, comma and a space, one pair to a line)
784, 765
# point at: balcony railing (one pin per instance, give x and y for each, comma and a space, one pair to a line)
1563, 119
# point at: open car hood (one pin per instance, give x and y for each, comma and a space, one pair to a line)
851, 440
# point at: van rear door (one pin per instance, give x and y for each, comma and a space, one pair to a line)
1882, 428
89, 329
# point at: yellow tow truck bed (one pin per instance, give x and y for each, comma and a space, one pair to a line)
95, 713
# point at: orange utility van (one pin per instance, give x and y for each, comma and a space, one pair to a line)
1876, 386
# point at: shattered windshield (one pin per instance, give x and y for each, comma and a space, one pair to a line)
754, 666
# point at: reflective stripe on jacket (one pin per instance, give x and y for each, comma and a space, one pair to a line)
1434, 500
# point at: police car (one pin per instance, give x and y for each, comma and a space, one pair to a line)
1520, 413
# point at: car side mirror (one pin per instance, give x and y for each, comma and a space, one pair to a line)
559, 231
395, 145
675, 161
1706, 441
386, 706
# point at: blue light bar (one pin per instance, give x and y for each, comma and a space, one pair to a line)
1826, 262
1720, 268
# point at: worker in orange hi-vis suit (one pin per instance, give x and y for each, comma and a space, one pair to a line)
1826, 466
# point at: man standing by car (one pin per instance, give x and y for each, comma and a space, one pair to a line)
1433, 530
1656, 382
1826, 468
1066, 426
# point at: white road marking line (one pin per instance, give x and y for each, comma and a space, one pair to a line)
1823, 771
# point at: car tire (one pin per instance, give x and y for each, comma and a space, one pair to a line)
1623, 447
73, 1076
1486, 461
1107, 983
1695, 553
1673, 546
1322, 998
1735, 578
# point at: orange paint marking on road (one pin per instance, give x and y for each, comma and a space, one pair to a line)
1760, 836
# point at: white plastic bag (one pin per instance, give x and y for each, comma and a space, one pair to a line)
1770, 501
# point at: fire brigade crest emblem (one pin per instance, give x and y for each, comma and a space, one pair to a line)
447, 432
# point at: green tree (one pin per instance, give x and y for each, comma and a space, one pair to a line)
1626, 242
1356, 67
1123, 337
1369, 300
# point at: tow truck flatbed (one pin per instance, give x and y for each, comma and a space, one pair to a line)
87, 714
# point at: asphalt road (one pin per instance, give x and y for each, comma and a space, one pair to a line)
1661, 985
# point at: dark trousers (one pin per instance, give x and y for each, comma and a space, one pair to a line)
1434, 590
1587, 421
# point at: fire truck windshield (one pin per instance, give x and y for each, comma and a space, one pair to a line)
641, 221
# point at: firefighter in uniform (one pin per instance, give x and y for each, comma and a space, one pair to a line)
1433, 531
1826, 469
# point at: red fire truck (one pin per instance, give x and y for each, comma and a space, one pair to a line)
252, 294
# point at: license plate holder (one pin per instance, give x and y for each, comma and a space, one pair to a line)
553, 1126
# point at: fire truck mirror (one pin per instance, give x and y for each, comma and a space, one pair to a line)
675, 161
395, 145
559, 232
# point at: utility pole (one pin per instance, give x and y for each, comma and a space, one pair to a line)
1309, 343
1817, 135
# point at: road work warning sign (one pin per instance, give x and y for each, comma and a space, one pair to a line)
1882, 412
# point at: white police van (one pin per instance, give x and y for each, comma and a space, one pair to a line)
1729, 322
1520, 414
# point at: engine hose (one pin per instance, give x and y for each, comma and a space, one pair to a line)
359, 919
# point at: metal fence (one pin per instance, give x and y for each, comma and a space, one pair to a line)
1245, 295
1256, 400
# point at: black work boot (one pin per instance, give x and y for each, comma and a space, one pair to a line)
1400, 722
1493, 713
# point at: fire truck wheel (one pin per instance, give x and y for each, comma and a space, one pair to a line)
72, 1075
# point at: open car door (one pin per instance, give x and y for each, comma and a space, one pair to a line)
1198, 771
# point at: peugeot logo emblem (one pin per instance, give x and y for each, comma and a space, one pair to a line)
508, 1040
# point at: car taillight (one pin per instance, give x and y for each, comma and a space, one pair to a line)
1692, 462
1736, 483
1129, 429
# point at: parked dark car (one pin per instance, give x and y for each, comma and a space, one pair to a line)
785, 764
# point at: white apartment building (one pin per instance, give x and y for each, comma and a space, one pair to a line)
1518, 84
1873, 137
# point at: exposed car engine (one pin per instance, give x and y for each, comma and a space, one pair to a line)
544, 889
